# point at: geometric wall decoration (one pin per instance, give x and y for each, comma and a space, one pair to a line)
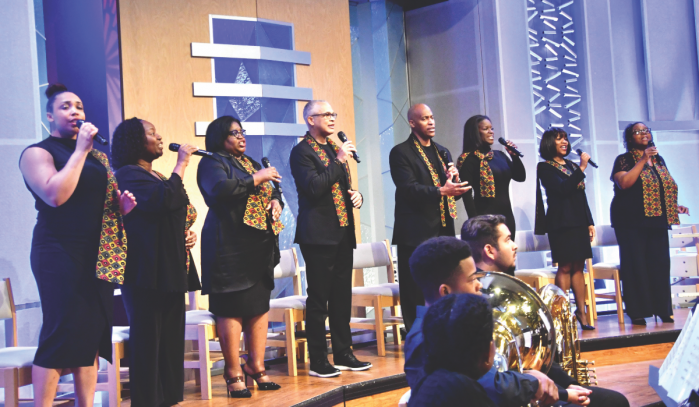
554, 67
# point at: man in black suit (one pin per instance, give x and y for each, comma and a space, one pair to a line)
426, 191
325, 232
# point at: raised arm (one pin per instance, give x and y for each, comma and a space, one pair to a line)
214, 182
551, 180
152, 194
312, 182
519, 174
627, 176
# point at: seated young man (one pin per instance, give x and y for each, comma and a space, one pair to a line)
458, 348
442, 266
494, 250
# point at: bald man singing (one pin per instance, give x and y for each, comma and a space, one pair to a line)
427, 186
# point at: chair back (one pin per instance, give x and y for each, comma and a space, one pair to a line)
289, 267
604, 236
527, 241
8, 313
375, 254
683, 242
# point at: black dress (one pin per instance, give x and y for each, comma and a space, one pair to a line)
644, 247
76, 305
237, 260
155, 281
504, 170
568, 216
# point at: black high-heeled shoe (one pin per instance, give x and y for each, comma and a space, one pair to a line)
237, 394
667, 320
638, 321
256, 376
583, 326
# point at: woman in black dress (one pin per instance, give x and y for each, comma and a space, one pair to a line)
240, 247
160, 268
568, 219
643, 208
79, 205
488, 171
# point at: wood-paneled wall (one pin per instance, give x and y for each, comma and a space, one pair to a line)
158, 70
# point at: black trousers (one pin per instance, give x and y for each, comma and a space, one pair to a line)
601, 397
644, 255
156, 346
329, 277
410, 293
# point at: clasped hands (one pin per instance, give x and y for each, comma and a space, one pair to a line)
451, 187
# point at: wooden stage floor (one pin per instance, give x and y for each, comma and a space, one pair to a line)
618, 369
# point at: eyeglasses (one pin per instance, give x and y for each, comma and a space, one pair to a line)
238, 134
639, 132
326, 115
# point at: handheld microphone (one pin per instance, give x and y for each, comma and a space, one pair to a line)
343, 138
504, 143
100, 138
651, 144
176, 147
445, 158
592, 163
265, 163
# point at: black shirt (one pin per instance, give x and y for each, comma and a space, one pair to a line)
446, 388
627, 209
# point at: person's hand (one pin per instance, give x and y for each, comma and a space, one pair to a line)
126, 202
453, 172
452, 188
591, 229
578, 395
683, 210
547, 393
510, 150
85, 136
275, 208
584, 158
648, 153
345, 151
267, 174
184, 153
190, 239
357, 198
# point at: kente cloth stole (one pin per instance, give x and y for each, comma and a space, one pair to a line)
338, 199
189, 220
486, 174
566, 171
451, 202
651, 190
111, 257
255, 209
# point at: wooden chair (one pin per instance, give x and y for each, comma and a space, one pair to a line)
291, 311
537, 278
605, 236
387, 295
15, 361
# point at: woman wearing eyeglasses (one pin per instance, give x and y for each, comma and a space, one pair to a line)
643, 209
239, 249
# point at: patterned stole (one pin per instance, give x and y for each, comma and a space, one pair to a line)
651, 190
451, 202
111, 257
566, 171
189, 220
255, 210
486, 174
338, 199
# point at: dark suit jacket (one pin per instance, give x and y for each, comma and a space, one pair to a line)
417, 216
567, 205
229, 248
317, 222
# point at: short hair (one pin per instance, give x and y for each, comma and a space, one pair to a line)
309, 108
435, 262
480, 231
51, 92
218, 131
128, 142
547, 147
628, 135
457, 332
472, 136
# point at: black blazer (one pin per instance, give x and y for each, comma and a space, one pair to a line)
227, 242
317, 222
567, 205
417, 216
155, 230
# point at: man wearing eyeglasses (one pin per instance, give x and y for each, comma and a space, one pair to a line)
426, 189
325, 233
